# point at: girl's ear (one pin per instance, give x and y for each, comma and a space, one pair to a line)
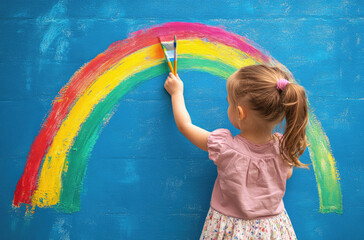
242, 112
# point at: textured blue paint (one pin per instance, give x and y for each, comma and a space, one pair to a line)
144, 176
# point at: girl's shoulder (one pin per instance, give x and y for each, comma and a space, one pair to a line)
220, 133
218, 137
217, 141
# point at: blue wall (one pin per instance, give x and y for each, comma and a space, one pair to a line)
144, 178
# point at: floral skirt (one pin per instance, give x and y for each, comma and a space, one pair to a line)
218, 226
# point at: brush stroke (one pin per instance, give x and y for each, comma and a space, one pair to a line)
327, 175
84, 77
49, 184
56, 142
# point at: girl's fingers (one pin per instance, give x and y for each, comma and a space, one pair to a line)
172, 75
172, 78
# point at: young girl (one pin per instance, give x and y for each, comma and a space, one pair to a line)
253, 166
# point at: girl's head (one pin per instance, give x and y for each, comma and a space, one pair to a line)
255, 88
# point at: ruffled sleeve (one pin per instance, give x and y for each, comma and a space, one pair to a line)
216, 143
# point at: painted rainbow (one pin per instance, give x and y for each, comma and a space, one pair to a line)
57, 161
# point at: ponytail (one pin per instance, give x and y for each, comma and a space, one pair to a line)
274, 100
293, 142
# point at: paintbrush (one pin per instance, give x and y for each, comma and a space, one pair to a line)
175, 55
166, 56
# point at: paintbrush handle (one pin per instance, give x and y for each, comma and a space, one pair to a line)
175, 55
170, 66
175, 67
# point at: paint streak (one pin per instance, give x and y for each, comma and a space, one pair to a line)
95, 89
57, 32
60, 229
327, 175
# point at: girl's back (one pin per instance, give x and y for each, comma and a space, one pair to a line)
251, 178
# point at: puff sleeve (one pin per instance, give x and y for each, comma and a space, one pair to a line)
216, 143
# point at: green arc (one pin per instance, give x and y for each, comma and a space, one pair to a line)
70, 199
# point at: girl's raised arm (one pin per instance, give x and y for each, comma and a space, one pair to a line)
195, 134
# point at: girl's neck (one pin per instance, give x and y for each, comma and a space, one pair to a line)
255, 129
257, 138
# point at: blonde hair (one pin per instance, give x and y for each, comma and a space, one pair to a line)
256, 85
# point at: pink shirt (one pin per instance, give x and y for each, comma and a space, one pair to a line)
251, 179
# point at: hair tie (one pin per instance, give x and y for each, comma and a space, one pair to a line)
282, 83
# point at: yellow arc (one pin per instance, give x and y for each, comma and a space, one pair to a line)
49, 184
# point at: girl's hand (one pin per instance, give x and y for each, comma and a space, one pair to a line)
173, 84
